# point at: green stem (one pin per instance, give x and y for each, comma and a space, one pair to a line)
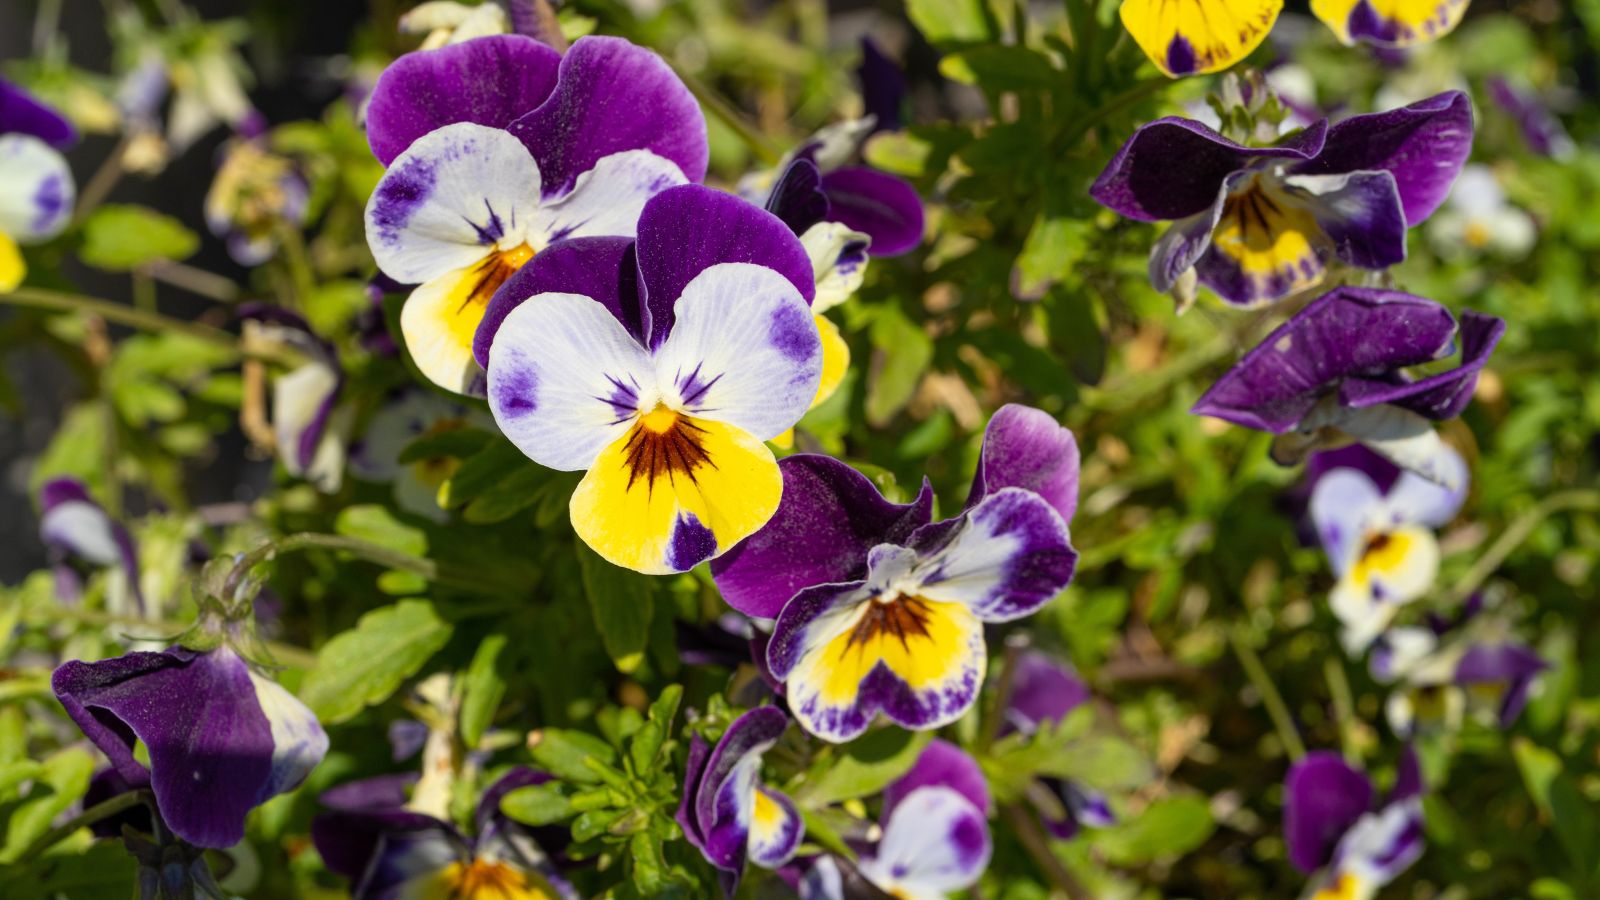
288, 654
99, 186
430, 569
1344, 711
1270, 698
722, 109
1578, 499
1002, 692
297, 262
1033, 839
193, 280
99, 812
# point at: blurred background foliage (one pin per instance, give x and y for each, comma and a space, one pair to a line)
1193, 569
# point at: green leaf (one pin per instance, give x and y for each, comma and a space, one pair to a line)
997, 67
1559, 800
1054, 247
101, 872
903, 352
77, 450
950, 21
649, 868
622, 602
1076, 334
482, 472
457, 443
13, 774
1169, 827
539, 804
562, 752
62, 780
120, 237
365, 665
864, 766
648, 740
374, 523
483, 688
524, 487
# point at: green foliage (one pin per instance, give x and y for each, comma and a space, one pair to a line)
368, 663
122, 237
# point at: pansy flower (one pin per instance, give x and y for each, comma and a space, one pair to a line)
1195, 37
879, 609
659, 367
255, 193
1338, 833
1390, 23
1375, 523
220, 738
308, 425
407, 415
727, 813
1043, 693
1442, 671
499, 147
36, 187
1336, 372
77, 530
1257, 224
444, 22
1477, 220
390, 852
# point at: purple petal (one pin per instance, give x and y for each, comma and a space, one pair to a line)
943, 764
23, 113
379, 792
1382, 472
938, 843
109, 783
600, 268
210, 744
1345, 332
1323, 797
883, 86
752, 732
693, 780
1183, 245
771, 849
1505, 663
1172, 168
1442, 396
488, 812
1360, 213
797, 197
687, 229
492, 81
1043, 691
613, 96
1026, 448
1408, 776
883, 207
1424, 145
406, 862
1543, 132
348, 840
830, 516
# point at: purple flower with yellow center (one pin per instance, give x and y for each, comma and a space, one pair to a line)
221, 739
389, 852
308, 425
1337, 832
1336, 372
878, 608
659, 367
77, 530
499, 147
36, 187
727, 813
1375, 523
1043, 693
1257, 224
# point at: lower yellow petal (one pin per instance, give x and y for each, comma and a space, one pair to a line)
674, 492
1272, 239
440, 318
1194, 37
12, 268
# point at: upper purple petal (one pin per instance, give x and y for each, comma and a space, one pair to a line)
600, 268
883, 86
884, 207
1423, 144
23, 113
209, 742
1043, 691
1026, 448
613, 96
829, 517
1173, 168
1504, 663
687, 229
941, 763
492, 81
369, 794
693, 778
347, 840
797, 197
1347, 332
1323, 797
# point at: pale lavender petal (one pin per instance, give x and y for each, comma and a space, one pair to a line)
936, 842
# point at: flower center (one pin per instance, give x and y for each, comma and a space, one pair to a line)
665, 444
896, 615
489, 274
485, 880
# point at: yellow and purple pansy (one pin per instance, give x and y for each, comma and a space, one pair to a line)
36, 187
499, 147
1338, 834
659, 367
77, 531
877, 608
1375, 522
1390, 23
391, 852
1335, 373
220, 739
727, 813
308, 424
1257, 224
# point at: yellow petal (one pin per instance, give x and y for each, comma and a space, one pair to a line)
1194, 37
440, 318
1390, 23
1272, 239
12, 268
835, 360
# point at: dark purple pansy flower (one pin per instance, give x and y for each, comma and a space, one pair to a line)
221, 739
1260, 223
1543, 132
389, 852
727, 813
76, 529
309, 428
1336, 371
1333, 825
880, 609
1043, 692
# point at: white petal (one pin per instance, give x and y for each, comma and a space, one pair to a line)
936, 842
1416, 499
838, 262
607, 199
298, 741
1343, 504
85, 528
36, 190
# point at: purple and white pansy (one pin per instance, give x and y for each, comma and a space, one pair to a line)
407, 415
1336, 372
878, 608
659, 367
1375, 523
1043, 693
727, 813
1257, 224
391, 852
1339, 835
36, 187
76, 530
308, 424
499, 147
221, 739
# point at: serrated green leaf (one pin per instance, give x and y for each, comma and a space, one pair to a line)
864, 766
119, 237
539, 804
61, 781
483, 688
367, 664
622, 603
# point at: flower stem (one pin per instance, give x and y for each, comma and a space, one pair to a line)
430, 569
1034, 841
1270, 698
144, 320
1344, 712
102, 181
288, 654
1115, 105
101, 811
1578, 499
995, 715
